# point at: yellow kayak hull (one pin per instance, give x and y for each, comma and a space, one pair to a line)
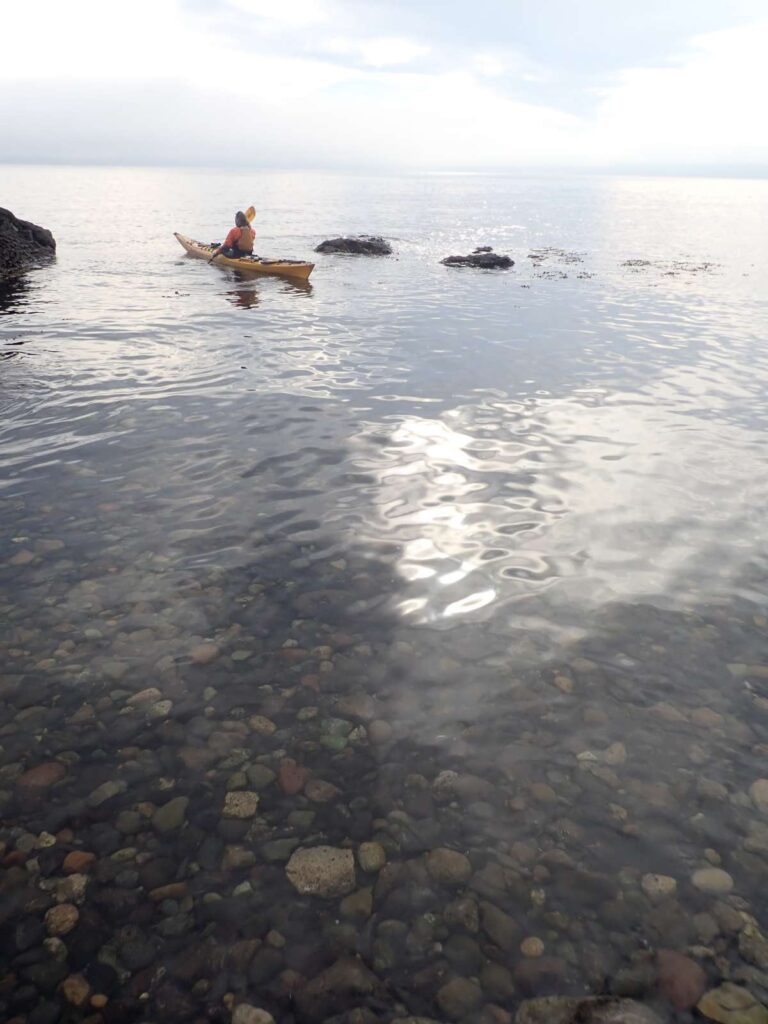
296, 269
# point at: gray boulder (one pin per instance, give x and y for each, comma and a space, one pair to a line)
22, 244
484, 258
357, 245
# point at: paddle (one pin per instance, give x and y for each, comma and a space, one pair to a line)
250, 213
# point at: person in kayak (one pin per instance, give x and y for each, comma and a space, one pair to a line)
239, 241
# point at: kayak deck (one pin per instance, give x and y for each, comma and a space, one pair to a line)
252, 264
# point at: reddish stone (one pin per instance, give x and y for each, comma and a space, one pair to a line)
290, 982
14, 858
311, 681
204, 654
294, 654
682, 981
197, 758
173, 891
292, 777
78, 861
42, 775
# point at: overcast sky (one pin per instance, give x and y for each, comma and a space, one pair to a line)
427, 84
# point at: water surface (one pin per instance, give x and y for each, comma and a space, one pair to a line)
422, 520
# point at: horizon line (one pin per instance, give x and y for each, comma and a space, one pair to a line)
738, 171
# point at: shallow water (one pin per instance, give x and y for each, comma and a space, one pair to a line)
504, 525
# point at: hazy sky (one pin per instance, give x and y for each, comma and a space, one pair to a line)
433, 84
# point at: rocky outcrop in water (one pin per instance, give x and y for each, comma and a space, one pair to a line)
357, 245
484, 258
22, 244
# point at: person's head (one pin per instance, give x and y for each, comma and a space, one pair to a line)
241, 220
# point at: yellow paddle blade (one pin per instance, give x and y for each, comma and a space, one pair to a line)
250, 213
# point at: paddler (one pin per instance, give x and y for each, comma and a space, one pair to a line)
239, 241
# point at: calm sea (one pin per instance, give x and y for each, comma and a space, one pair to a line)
516, 520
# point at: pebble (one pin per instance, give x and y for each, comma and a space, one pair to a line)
106, 791
712, 880
615, 754
147, 696
321, 792
758, 791
245, 1013
543, 793
240, 804
236, 857
658, 887
71, 889
292, 777
42, 776
358, 905
371, 857
448, 867
204, 654
261, 725
500, 927
564, 683
324, 871
62, 919
379, 731
732, 1004
459, 997
76, 990
171, 815
682, 981
532, 947
77, 862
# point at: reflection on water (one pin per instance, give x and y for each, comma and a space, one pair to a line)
244, 297
464, 577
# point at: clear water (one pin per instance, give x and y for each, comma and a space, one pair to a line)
518, 510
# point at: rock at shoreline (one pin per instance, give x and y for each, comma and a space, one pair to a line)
22, 244
484, 258
357, 245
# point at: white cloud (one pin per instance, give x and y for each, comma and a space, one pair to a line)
488, 65
375, 52
708, 105
389, 50
165, 71
291, 14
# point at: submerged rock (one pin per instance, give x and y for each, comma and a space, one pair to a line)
357, 245
731, 1004
459, 997
592, 1010
681, 980
324, 871
712, 880
22, 244
340, 987
484, 258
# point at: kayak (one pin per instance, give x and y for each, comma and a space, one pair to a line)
252, 264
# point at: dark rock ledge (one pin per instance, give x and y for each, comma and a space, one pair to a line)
357, 245
22, 244
484, 258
